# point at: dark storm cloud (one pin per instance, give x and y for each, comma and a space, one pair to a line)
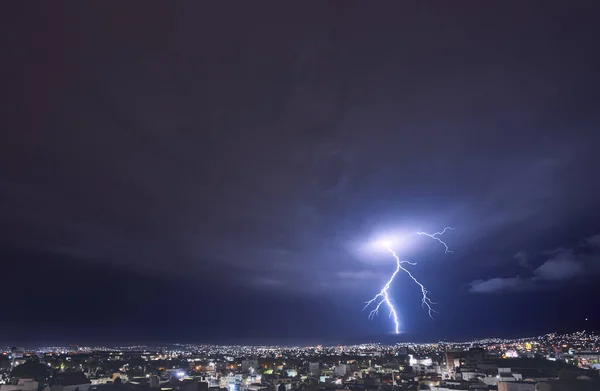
593, 240
501, 284
523, 259
257, 152
564, 265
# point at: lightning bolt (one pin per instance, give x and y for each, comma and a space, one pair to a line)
383, 296
436, 236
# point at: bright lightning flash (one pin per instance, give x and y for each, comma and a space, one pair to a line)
436, 236
383, 296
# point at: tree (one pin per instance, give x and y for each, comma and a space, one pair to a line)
4, 363
32, 369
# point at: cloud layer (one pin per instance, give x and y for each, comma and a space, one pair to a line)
565, 264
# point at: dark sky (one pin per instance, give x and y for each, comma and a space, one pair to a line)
186, 171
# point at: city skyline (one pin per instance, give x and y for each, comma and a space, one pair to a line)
197, 173
592, 336
551, 362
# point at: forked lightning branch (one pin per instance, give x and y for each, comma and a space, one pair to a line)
383, 296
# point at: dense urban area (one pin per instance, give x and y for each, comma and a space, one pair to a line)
550, 362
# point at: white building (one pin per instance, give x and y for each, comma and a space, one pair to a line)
249, 365
504, 375
16, 353
123, 376
515, 386
447, 386
426, 361
101, 380
22, 385
314, 368
341, 369
471, 375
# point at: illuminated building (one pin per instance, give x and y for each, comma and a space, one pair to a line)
515, 386
249, 365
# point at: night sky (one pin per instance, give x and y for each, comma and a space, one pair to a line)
179, 171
